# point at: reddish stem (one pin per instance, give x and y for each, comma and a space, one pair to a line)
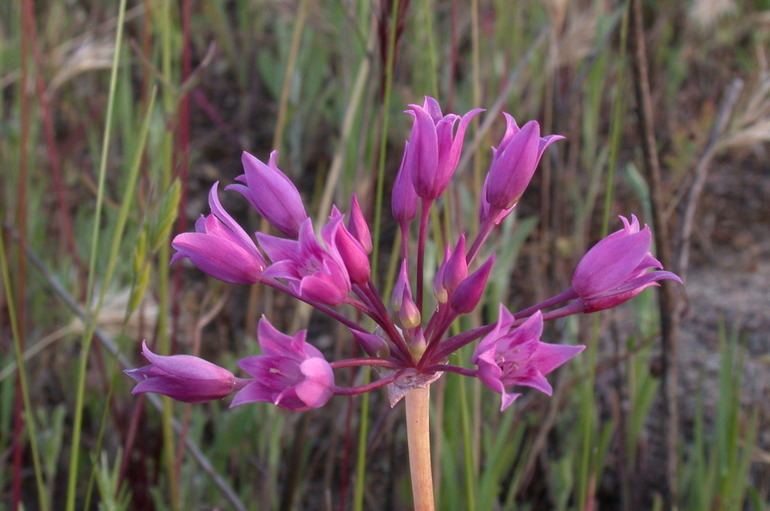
351, 391
419, 278
358, 362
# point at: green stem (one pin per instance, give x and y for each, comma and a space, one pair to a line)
77, 420
418, 438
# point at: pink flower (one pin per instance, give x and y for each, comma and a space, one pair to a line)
290, 373
315, 272
514, 162
271, 193
220, 247
434, 149
517, 357
615, 269
183, 377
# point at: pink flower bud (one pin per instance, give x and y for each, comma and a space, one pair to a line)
408, 314
373, 344
401, 287
358, 226
469, 291
271, 193
514, 162
183, 377
403, 201
457, 267
353, 255
439, 291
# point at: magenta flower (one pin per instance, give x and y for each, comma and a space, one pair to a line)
220, 247
271, 193
290, 373
514, 162
517, 357
184, 378
615, 269
314, 272
434, 149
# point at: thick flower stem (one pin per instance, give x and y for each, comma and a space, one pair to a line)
418, 438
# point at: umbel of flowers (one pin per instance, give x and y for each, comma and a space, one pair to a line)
329, 269
406, 340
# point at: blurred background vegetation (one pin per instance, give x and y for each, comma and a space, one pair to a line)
117, 117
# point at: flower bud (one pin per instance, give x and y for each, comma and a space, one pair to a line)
469, 291
271, 193
373, 344
183, 377
358, 226
514, 162
353, 255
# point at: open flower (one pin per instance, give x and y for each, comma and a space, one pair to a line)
434, 148
314, 272
517, 357
615, 269
290, 373
220, 247
184, 378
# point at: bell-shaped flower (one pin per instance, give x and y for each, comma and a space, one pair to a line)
358, 226
471, 289
508, 357
616, 268
220, 247
514, 162
184, 378
271, 193
434, 147
290, 373
314, 272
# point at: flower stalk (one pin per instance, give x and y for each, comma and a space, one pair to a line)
418, 438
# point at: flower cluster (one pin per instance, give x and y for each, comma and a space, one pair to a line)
407, 341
